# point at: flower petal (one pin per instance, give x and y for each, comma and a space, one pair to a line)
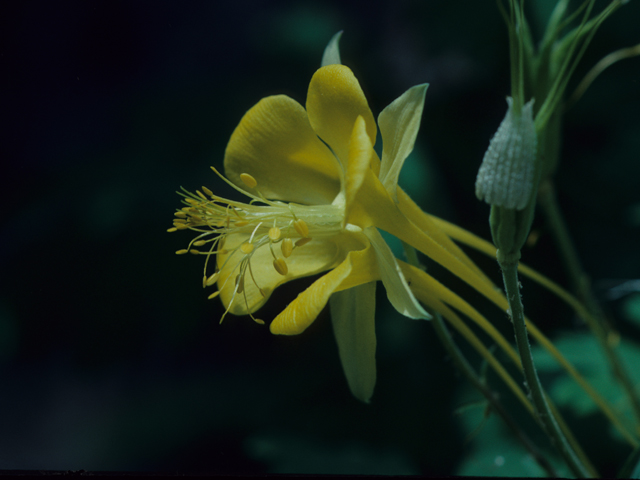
375, 205
399, 123
275, 143
398, 290
316, 256
334, 102
353, 318
429, 225
301, 313
331, 55
358, 163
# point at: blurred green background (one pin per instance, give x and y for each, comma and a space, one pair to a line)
112, 358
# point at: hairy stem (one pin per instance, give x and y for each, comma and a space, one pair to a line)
509, 266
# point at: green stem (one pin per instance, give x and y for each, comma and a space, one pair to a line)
581, 284
468, 371
509, 266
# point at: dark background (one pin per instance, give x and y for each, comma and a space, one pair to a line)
112, 358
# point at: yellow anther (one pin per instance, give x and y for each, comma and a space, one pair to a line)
240, 223
192, 201
172, 229
199, 243
180, 226
274, 234
301, 242
301, 227
248, 180
207, 191
213, 295
246, 248
287, 247
179, 220
180, 214
182, 252
240, 283
201, 195
281, 266
258, 321
194, 251
212, 279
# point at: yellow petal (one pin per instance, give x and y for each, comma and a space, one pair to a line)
358, 163
301, 313
424, 286
315, 257
375, 205
399, 123
353, 319
428, 224
371, 201
364, 269
275, 144
334, 102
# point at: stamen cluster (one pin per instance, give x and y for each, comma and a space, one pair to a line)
263, 222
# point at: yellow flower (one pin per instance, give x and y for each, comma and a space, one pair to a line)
318, 194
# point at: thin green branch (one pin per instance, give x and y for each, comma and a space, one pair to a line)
509, 266
600, 67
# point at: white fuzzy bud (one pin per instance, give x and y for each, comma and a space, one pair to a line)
505, 178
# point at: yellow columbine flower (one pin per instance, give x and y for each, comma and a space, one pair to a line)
318, 194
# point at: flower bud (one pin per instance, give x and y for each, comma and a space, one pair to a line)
506, 176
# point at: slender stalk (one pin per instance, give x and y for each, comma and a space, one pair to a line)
581, 284
468, 371
509, 266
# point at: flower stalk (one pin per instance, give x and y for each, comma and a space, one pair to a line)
509, 266
526, 146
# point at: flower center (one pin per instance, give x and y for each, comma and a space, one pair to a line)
264, 223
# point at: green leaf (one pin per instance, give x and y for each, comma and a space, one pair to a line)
584, 352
